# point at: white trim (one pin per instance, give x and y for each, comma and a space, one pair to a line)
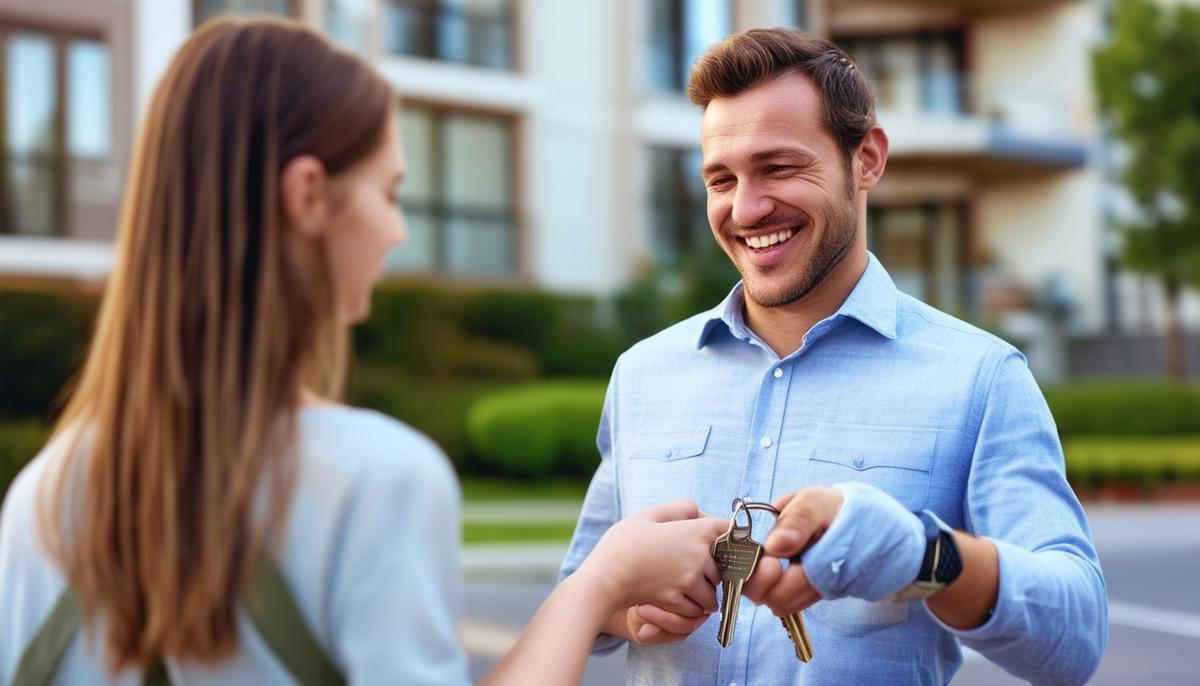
61, 258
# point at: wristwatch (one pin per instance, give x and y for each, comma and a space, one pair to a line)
941, 565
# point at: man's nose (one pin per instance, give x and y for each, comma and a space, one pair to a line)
750, 206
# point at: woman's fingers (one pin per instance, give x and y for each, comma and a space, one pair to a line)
669, 621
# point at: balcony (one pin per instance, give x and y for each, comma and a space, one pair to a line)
992, 130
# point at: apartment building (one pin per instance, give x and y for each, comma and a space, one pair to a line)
550, 142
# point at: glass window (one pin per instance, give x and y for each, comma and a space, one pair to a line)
346, 21
912, 73
458, 195
923, 250
48, 121
475, 32
676, 203
31, 138
207, 9
89, 108
680, 32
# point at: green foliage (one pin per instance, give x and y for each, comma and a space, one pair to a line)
539, 430
1144, 461
19, 442
1148, 90
1127, 409
43, 339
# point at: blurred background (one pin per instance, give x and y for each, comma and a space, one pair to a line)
1044, 184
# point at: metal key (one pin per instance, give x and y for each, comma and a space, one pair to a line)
736, 555
794, 624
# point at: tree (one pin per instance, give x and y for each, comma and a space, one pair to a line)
1149, 91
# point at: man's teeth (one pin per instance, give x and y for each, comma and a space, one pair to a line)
769, 239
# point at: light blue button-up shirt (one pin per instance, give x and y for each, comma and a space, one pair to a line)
887, 391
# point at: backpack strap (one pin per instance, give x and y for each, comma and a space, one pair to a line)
273, 609
43, 654
269, 602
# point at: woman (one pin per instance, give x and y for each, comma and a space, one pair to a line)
203, 510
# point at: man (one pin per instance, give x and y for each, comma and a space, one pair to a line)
815, 371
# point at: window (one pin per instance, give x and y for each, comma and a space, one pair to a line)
203, 10
794, 13
923, 248
913, 73
346, 21
55, 108
677, 203
458, 195
475, 32
680, 32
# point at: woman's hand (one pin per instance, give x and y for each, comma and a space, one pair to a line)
659, 556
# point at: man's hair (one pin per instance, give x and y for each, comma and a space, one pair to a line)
751, 58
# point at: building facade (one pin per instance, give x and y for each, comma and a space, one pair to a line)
550, 142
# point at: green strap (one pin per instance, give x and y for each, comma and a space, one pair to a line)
271, 607
44, 652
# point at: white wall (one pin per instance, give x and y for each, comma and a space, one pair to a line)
159, 28
1041, 227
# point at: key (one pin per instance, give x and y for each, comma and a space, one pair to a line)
794, 624
736, 555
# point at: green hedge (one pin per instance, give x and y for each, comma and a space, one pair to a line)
43, 339
19, 442
540, 430
1125, 409
1144, 461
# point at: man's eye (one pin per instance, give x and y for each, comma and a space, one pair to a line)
718, 182
779, 168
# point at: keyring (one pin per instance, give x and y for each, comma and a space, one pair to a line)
740, 505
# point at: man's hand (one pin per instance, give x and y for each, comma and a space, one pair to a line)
853, 540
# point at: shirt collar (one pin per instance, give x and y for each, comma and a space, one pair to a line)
873, 302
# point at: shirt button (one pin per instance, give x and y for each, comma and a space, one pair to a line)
765, 442
778, 373
858, 462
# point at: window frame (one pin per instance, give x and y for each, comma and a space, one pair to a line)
440, 211
60, 160
434, 12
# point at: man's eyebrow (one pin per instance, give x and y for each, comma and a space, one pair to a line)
800, 155
803, 156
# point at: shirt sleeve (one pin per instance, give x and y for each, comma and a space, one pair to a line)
396, 589
601, 508
1050, 624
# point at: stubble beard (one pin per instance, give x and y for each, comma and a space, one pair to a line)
841, 228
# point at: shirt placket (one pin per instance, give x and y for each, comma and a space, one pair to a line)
758, 474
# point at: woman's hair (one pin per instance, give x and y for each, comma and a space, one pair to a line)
209, 329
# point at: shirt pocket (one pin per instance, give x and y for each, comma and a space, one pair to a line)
668, 446
897, 460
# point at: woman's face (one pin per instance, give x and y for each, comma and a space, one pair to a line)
363, 224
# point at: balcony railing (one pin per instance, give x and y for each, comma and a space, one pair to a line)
1011, 107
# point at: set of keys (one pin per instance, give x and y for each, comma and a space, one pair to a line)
737, 555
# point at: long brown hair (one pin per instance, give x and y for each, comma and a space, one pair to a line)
208, 331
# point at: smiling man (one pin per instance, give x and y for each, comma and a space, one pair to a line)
914, 457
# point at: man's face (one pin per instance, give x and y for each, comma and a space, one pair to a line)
781, 202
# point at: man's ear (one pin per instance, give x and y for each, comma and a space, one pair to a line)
872, 158
303, 187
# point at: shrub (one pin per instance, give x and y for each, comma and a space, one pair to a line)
1097, 460
1125, 409
538, 430
43, 339
19, 442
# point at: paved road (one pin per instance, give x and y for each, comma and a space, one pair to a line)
1150, 556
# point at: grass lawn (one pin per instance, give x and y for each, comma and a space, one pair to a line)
477, 489
518, 532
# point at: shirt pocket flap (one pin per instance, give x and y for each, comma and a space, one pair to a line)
861, 447
673, 445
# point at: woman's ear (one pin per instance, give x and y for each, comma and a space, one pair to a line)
303, 186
